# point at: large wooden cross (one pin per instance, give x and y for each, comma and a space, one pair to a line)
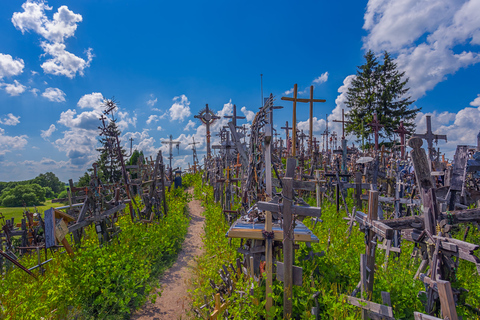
402, 131
429, 136
375, 124
295, 100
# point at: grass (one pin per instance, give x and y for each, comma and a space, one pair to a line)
17, 212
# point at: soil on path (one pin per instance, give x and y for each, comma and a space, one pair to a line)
173, 302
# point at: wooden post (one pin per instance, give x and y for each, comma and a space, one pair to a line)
287, 247
268, 258
447, 301
370, 248
317, 187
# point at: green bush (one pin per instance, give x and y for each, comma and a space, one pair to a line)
28, 194
105, 282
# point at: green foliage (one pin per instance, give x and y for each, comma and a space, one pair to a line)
50, 180
100, 282
28, 194
84, 180
334, 275
109, 169
382, 89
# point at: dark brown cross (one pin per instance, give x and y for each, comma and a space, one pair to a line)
295, 100
375, 124
429, 136
402, 131
343, 121
287, 130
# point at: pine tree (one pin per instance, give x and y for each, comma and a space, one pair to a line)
109, 169
382, 89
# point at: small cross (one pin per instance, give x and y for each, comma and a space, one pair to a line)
402, 131
429, 136
375, 124
343, 121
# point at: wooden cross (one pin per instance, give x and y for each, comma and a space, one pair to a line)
295, 100
343, 121
171, 143
234, 117
207, 117
429, 136
402, 131
287, 130
375, 124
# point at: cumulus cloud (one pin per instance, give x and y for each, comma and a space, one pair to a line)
289, 91
10, 120
159, 128
190, 125
79, 145
92, 100
476, 102
250, 115
64, 63
54, 95
9, 143
45, 134
35, 91
423, 35
126, 120
152, 118
323, 78
54, 31
10, 67
180, 109
13, 89
319, 125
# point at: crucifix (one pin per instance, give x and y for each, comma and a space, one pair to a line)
402, 131
287, 130
375, 124
429, 136
207, 117
343, 121
295, 100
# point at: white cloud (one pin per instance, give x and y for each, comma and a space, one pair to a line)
54, 95
322, 79
126, 120
35, 91
476, 102
47, 133
152, 118
63, 62
92, 100
87, 120
423, 35
250, 115
10, 67
290, 91
10, 120
152, 102
159, 128
33, 18
180, 109
318, 125
13, 89
9, 143
79, 145
55, 31
142, 141
190, 125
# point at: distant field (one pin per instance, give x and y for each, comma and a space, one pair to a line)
17, 212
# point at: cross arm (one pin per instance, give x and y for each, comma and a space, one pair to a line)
376, 226
297, 210
303, 100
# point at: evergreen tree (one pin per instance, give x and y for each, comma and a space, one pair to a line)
109, 168
382, 89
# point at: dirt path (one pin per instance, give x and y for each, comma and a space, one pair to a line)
172, 303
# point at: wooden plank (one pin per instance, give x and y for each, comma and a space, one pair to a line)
269, 264
375, 225
382, 310
296, 210
61, 230
258, 235
288, 237
297, 185
62, 215
297, 274
421, 316
49, 220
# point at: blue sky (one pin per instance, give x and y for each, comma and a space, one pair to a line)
163, 61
